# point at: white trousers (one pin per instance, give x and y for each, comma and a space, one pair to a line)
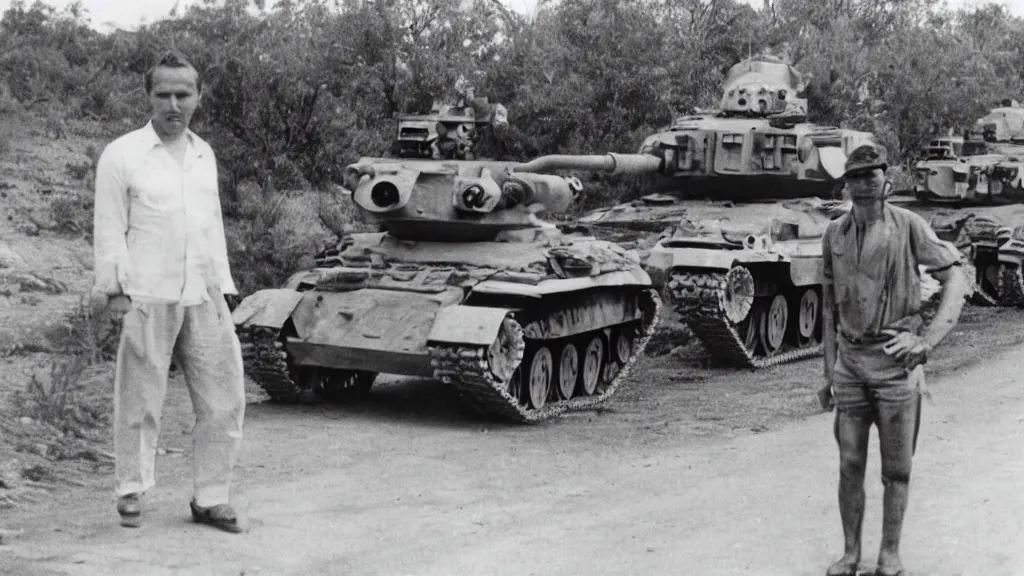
204, 346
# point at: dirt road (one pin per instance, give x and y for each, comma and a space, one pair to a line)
405, 484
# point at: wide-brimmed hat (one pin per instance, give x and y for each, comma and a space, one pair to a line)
865, 157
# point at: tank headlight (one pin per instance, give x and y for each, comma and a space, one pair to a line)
385, 194
782, 94
474, 196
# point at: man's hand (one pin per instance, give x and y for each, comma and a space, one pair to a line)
116, 306
908, 347
825, 397
119, 306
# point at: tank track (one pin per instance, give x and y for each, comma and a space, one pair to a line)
466, 368
1011, 286
698, 299
266, 362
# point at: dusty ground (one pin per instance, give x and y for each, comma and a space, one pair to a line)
717, 470
721, 471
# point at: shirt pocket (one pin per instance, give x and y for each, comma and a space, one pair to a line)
154, 187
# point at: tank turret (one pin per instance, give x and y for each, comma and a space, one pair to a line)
764, 87
474, 200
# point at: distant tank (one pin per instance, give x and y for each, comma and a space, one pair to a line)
993, 241
740, 264
983, 166
463, 283
466, 130
955, 169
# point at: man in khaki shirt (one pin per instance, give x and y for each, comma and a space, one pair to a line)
161, 265
876, 345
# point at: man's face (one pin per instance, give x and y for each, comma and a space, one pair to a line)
866, 186
173, 99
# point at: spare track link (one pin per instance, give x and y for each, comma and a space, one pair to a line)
466, 368
266, 362
699, 299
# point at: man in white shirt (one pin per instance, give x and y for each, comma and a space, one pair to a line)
161, 264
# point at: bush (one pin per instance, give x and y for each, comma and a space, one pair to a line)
264, 248
60, 399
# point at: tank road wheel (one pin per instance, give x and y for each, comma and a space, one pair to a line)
773, 325
809, 318
515, 386
749, 329
568, 371
739, 294
593, 360
506, 352
542, 371
623, 344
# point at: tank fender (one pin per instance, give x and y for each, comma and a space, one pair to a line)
666, 259
472, 325
270, 308
806, 271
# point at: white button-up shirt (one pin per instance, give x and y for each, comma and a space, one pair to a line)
158, 232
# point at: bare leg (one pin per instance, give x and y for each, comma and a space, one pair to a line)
897, 432
851, 431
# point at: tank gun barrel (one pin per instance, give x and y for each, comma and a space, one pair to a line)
611, 162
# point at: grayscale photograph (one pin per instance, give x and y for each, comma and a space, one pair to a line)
512, 287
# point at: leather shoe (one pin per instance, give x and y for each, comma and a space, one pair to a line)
220, 516
129, 507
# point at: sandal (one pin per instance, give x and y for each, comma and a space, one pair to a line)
221, 516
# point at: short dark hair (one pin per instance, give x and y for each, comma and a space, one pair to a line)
172, 59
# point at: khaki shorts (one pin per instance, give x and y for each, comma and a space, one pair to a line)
866, 378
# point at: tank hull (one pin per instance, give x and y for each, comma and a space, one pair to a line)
524, 333
751, 291
991, 239
745, 278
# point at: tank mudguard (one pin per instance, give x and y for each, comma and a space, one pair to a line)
270, 308
470, 325
666, 259
803, 269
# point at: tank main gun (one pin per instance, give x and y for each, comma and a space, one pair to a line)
460, 200
611, 162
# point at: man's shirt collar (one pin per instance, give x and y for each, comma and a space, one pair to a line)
152, 139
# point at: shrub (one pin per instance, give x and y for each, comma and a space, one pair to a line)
60, 399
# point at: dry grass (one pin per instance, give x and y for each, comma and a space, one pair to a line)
59, 399
6, 136
271, 235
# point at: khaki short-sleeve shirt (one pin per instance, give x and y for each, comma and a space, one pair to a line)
880, 283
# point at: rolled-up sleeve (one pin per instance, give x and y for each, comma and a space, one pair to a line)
931, 252
110, 224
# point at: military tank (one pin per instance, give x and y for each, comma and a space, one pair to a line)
465, 130
462, 282
741, 201
983, 166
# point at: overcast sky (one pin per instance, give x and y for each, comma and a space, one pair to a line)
128, 13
